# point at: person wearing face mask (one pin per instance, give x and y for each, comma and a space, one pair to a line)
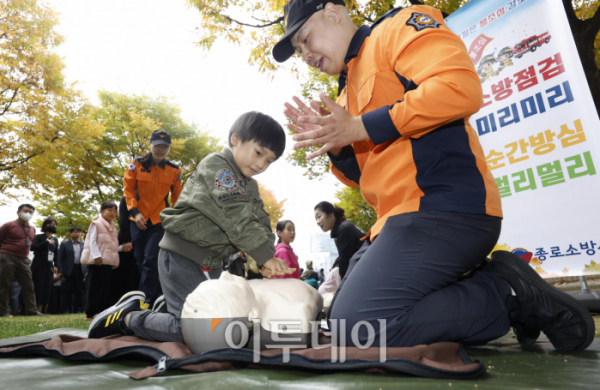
146, 187
45, 253
15, 241
346, 235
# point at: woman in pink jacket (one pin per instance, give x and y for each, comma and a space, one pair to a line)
100, 254
286, 233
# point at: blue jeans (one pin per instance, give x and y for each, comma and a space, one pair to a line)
409, 277
145, 250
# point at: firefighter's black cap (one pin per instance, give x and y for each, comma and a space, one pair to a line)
295, 14
160, 137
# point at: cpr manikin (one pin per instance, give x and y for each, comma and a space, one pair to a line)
222, 313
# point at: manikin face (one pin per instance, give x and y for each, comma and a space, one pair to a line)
324, 220
319, 41
288, 234
250, 157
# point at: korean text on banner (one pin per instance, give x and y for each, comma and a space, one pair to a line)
539, 130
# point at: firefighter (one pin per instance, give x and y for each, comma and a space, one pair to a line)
399, 131
147, 184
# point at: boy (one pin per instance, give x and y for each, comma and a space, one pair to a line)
219, 213
400, 132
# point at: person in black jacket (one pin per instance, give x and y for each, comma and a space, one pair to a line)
45, 251
346, 235
126, 277
71, 272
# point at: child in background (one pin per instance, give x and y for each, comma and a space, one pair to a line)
286, 232
100, 254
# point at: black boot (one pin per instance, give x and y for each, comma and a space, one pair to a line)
540, 307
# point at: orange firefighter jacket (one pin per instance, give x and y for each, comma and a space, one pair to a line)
146, 187
413, 83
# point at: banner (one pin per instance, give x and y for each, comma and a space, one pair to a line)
539, 130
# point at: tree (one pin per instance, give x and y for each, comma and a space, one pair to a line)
272, 206
356, 209
40, 115
585, 25
93, 172
260, 23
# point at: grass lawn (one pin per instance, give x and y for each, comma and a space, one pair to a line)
22, 326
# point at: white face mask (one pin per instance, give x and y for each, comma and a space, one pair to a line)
26, 216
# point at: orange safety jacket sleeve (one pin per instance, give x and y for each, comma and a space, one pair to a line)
439, 78
129, 185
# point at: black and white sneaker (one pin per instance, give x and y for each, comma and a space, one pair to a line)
111, 321
160, 305
538, 306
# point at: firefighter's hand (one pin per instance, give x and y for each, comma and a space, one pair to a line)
336, 130
275, 267
140, 221
293, 113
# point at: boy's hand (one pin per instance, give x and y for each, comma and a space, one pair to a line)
275, 267
98, 261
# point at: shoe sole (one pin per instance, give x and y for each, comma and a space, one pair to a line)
122, 302
529, 274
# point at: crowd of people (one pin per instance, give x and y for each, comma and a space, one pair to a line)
87, 276
399, 131
40, 274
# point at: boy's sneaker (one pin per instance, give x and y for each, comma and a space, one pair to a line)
160, 305
111, 321
538, 306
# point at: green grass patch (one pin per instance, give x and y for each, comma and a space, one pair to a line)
25, 325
